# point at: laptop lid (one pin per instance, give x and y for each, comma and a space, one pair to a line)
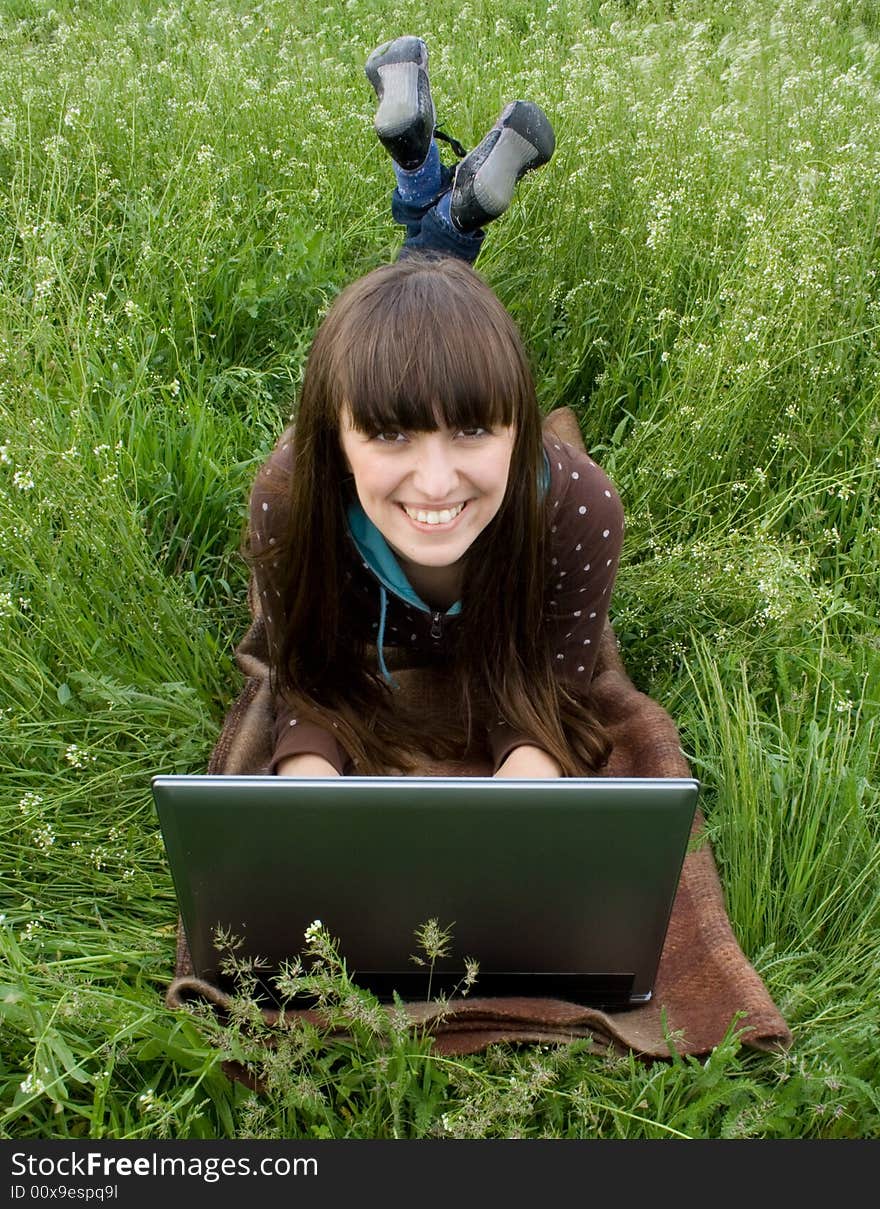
559, 888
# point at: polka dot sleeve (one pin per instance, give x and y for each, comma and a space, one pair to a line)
269, 503
586, 534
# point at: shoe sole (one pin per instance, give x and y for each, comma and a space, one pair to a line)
399, 107
401, 84
520, 141
512, 156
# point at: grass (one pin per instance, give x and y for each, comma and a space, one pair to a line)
185, 188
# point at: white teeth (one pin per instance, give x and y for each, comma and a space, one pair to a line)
433, 518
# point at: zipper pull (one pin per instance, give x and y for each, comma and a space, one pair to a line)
436, 625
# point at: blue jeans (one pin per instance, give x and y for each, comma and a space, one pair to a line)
427, 233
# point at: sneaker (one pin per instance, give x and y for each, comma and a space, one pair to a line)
405, 118
521, 139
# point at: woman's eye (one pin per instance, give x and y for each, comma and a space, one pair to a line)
389, 438
473, 432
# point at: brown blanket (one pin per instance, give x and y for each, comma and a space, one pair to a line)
704, 982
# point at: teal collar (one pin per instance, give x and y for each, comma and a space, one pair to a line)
378, 556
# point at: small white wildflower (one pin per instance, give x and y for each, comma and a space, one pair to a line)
44, 837
23, 480
74, 756
313, 930
54, 144
44, 286
4, 455
32, 1084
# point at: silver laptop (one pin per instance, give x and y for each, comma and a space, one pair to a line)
559, 888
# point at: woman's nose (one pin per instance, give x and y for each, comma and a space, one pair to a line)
435, 476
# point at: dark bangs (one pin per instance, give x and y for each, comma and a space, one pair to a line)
425, 342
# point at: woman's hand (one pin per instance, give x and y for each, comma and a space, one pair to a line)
306, 764
527, 761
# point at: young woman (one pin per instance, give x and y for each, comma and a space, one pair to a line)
417, 515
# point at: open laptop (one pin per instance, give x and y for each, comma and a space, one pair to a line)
559, 888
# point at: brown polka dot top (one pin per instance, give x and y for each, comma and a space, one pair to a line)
586, 536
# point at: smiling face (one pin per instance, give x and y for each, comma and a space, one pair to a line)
430, 494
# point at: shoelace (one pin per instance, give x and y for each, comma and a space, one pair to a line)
456, 146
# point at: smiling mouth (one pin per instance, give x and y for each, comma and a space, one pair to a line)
433, 519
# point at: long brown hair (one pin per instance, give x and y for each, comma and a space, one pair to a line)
410, 344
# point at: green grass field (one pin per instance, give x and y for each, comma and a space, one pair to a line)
184, 189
